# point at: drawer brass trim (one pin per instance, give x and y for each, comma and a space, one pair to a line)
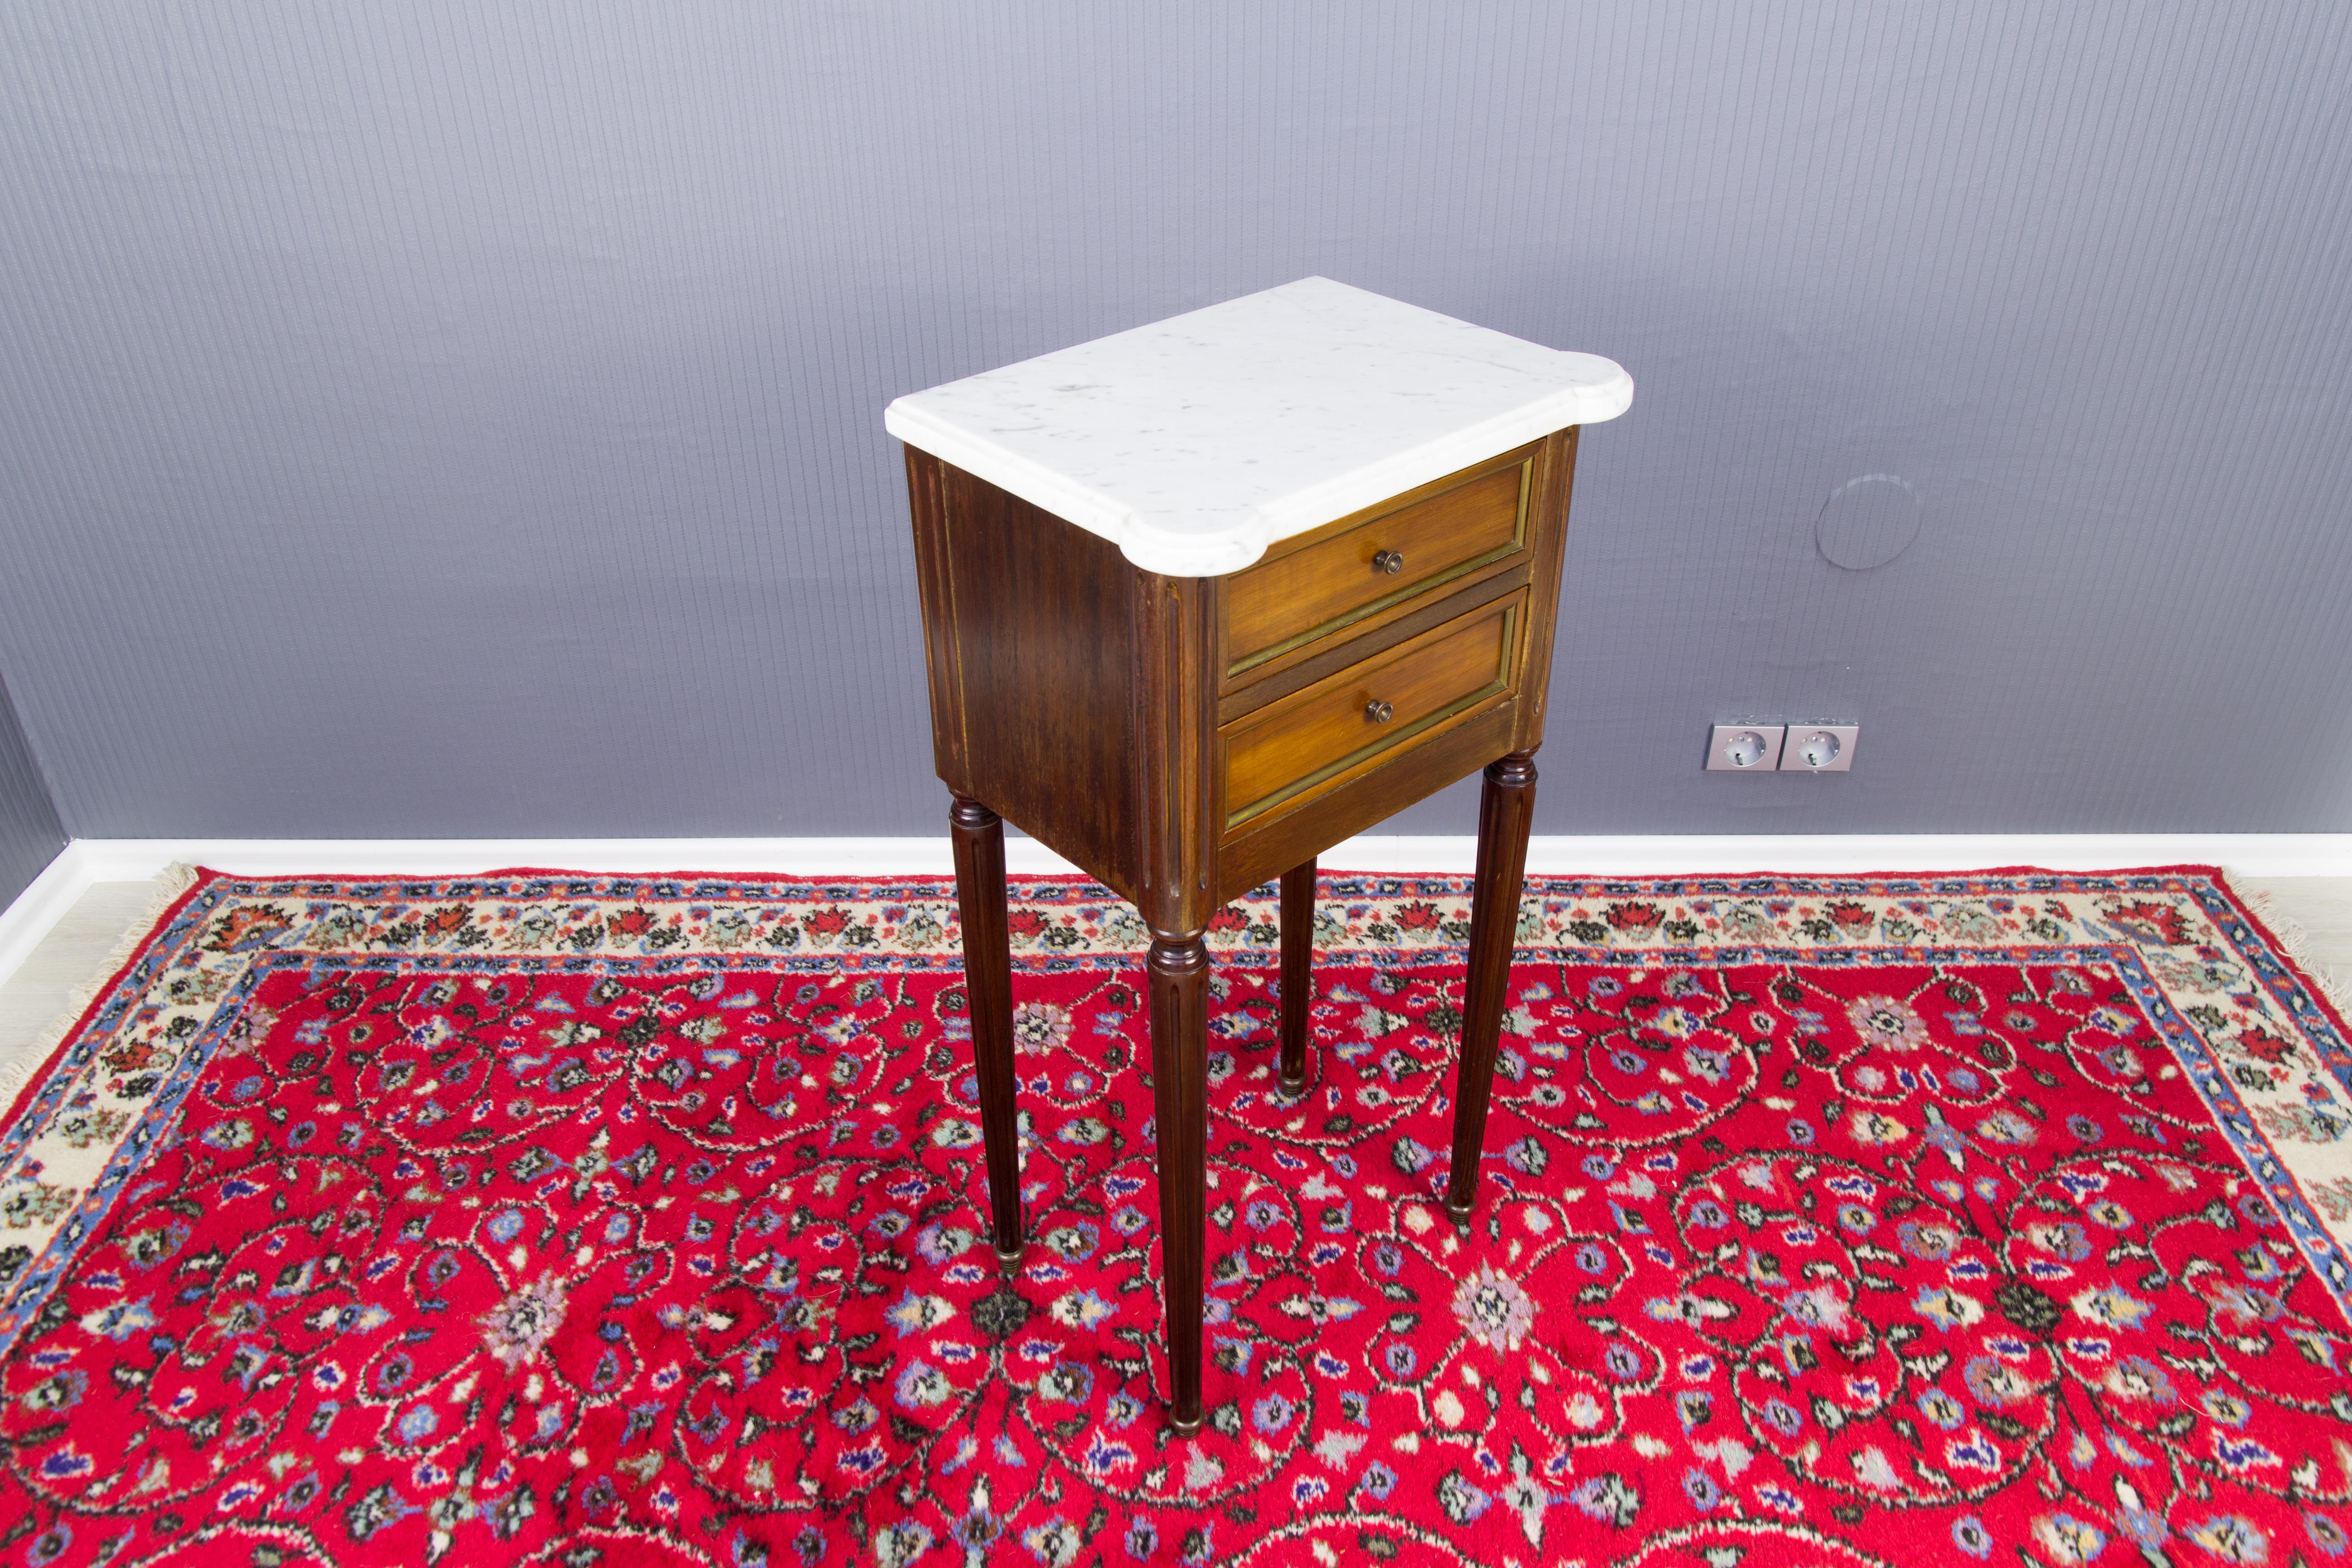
1384, 670
1325, 543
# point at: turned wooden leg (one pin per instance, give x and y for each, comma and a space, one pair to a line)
1505, 808
979, 837
1179, 966
1297, 972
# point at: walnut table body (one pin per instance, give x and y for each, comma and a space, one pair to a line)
1185, 736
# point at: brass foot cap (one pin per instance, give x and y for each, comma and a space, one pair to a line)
1292, 1087
1181, 1427
1459, 1213
1011, 1259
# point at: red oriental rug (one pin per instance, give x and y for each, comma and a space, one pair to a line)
570, 1219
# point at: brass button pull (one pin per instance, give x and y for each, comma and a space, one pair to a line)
1387, 561
1379, 712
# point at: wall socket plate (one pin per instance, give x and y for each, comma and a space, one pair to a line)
1818, 748
1744, 748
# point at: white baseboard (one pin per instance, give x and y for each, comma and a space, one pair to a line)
86, 861
2257, 854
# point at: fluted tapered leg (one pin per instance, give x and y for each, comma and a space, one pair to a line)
1297, 972
1179, 967
979, 837
1505, 808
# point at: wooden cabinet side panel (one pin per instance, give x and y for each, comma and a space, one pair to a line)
1555, 476
1044, 656
924, 476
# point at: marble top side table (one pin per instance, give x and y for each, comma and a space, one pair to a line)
1202, 599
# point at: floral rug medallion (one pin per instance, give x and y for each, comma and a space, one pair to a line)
572, 1219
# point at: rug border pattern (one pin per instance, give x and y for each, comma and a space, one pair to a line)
129, 997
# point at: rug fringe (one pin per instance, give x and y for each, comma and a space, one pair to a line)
2294, 941
21, 1064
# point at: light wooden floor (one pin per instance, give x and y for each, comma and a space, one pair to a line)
68, 959
71, 956
2322, 906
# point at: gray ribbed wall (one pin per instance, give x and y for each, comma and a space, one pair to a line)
30, 836
445, 418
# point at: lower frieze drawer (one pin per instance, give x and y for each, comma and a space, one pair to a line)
1365, 715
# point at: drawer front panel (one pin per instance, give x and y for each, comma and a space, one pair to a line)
1294, 749
1314, 591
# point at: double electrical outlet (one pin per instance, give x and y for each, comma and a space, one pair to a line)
1781, 748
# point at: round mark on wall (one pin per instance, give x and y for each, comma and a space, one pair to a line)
1867, 522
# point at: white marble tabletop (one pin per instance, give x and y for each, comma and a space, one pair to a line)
1196, 442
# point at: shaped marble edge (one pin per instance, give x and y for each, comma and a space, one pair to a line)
1033, 481
1209, 549
1415, 466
